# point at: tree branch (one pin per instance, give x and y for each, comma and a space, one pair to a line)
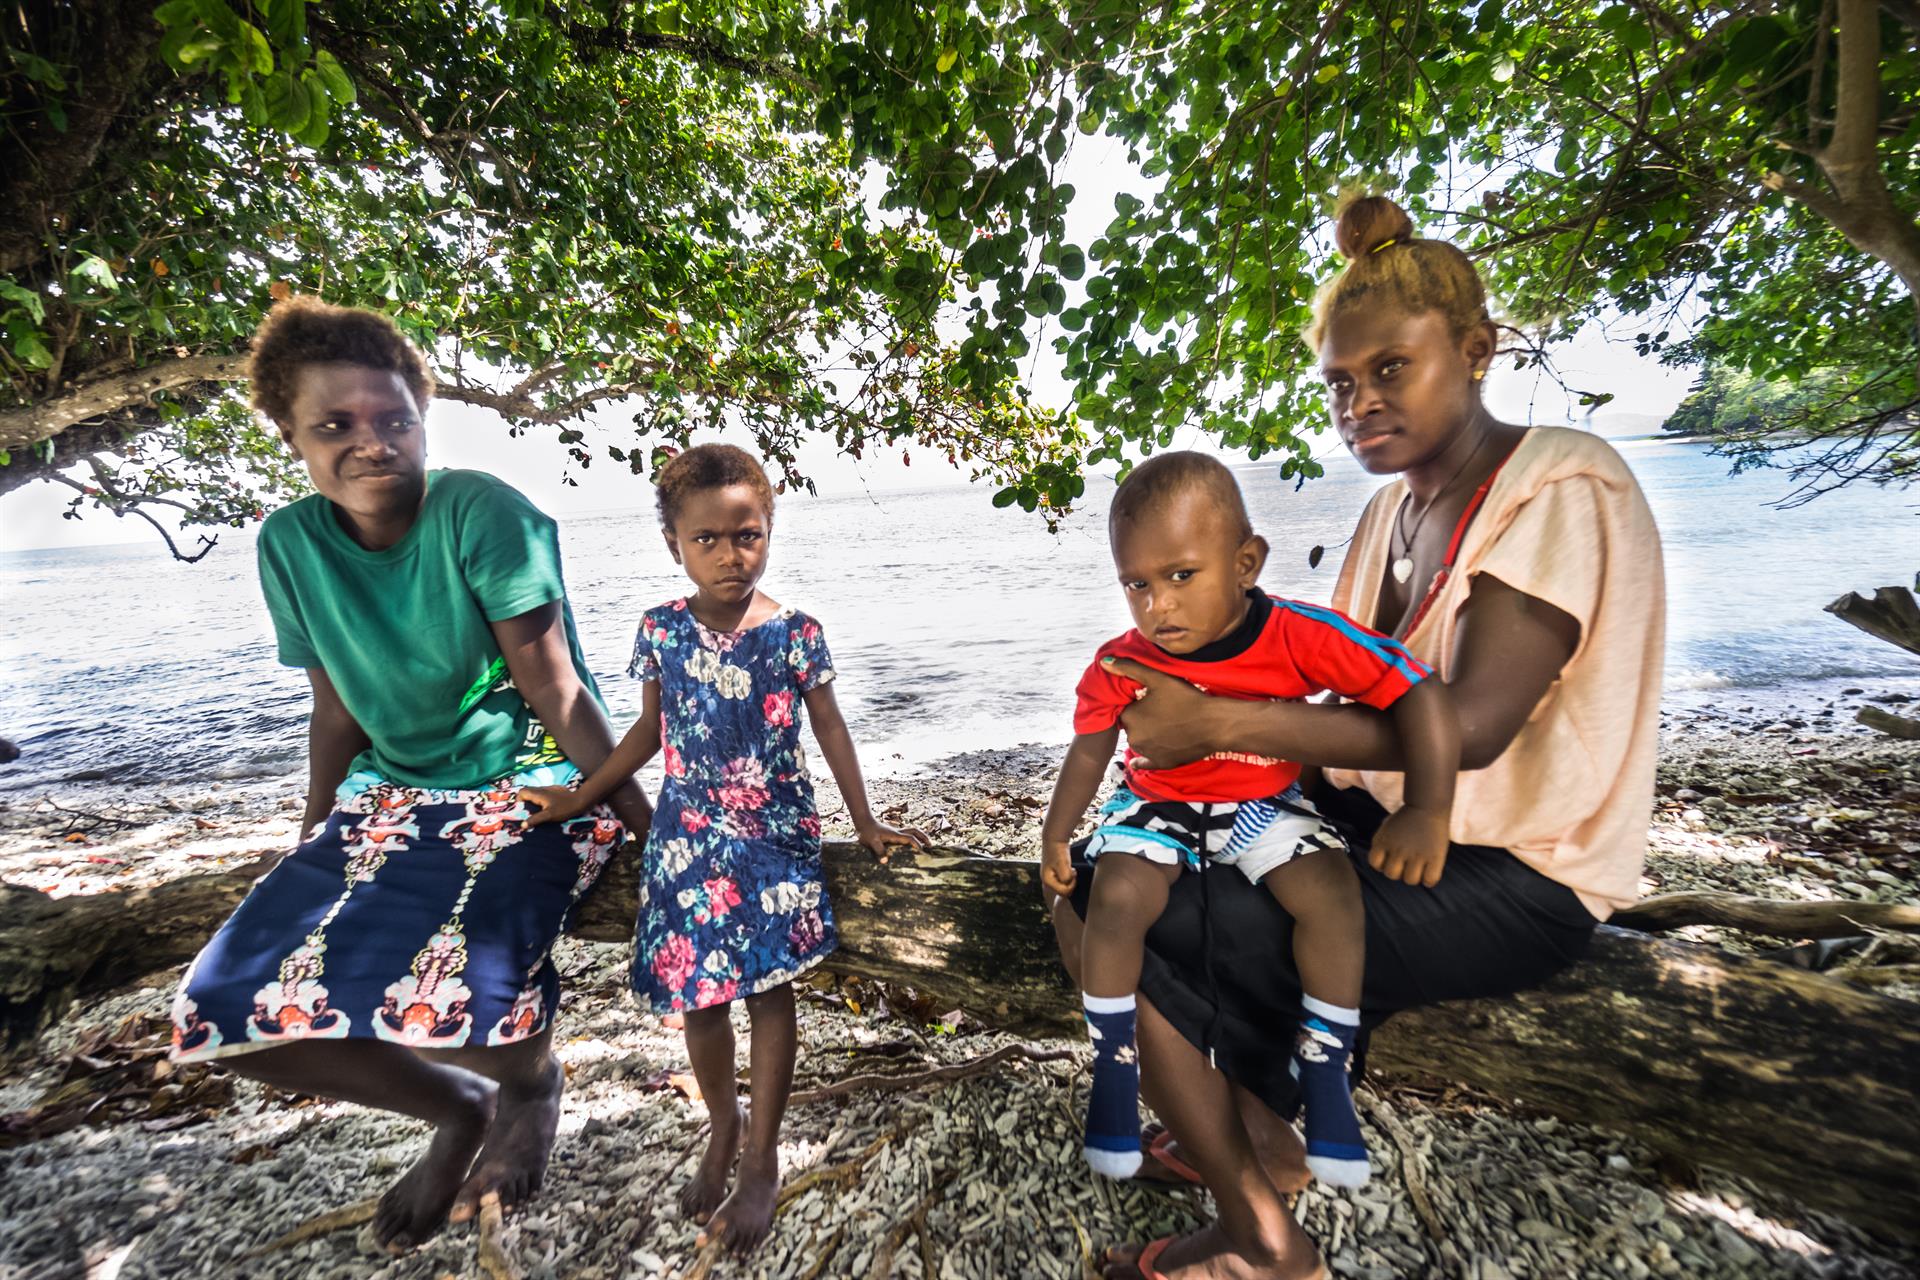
84, 401
699, 49
1850, 153
1904, 10
132, 508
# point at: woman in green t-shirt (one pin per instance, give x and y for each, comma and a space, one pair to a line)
401, 956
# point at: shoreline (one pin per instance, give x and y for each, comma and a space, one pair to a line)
1815, 809
1779, 773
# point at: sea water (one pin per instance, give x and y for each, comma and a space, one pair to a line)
954, 626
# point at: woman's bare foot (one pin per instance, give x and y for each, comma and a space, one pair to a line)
743, 1220
703, 1195
416, 1206
1207, 1254
514, 1161
1276, 1144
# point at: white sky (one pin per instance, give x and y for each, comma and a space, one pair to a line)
462, 436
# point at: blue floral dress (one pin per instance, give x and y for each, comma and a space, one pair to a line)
732, 902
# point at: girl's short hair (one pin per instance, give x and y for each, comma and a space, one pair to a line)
708, 466
1387, 265
304, 330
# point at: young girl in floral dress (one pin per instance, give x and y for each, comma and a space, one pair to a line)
732, 904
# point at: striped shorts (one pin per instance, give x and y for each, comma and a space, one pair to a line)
1255, 836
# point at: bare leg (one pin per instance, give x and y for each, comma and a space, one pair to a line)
388, 1077
1275, 1141
710, 1046
513, 1164
743, 1220
1129, 893
1322, 894
1256, 1237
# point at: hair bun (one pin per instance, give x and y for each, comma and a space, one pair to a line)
1368, 222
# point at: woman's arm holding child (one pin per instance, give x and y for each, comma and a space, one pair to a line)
1079, 781
640, 744
1411, 845
836, 744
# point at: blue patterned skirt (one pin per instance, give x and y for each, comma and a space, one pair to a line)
425, 918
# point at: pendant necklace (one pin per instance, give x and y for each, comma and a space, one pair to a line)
1403, 566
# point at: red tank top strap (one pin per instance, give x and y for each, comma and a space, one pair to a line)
1445, 571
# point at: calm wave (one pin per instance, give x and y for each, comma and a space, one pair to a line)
955, 627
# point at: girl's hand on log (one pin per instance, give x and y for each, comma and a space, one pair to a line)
879, 837
551, 804
1411, 846
1170, 722
1056, 867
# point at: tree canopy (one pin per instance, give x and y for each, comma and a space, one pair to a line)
577, 202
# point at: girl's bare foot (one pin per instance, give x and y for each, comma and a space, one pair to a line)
699, 1198
416, 1206
514, 1161
1207, 1254
743, 1220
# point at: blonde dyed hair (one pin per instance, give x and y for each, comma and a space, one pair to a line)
1387, 265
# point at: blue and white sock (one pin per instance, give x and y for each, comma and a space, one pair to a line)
1336, 1149
1113, 1104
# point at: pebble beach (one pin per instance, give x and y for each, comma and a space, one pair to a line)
196, 1173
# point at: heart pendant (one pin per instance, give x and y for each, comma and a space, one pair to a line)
1402, 569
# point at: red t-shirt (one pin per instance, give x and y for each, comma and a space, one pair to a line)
1285, 650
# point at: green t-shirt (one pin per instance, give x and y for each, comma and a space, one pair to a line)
403, 632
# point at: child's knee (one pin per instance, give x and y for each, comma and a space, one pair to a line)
1129, 889
1320, 878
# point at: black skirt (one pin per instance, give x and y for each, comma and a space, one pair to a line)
1219, 963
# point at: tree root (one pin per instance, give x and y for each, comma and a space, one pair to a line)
1880, 975
827, 1250
325, 1224
1413, 1169
495, 1263
1768, 917
937, 1075
915, 1223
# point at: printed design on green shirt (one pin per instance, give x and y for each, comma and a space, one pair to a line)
493, 679
537, 746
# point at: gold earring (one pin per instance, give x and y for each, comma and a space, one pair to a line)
1479, 375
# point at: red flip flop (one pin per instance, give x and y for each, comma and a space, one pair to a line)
1147, 1262
1161, 1150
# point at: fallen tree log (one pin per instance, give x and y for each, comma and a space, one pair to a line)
1787, 1077
1891, 614
1888, 723
1768, 917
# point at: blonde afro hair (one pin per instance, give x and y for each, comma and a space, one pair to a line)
1387, 265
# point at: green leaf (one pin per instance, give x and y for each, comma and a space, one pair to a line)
26, 298
288, 102
30, 350
334, 77
96, 272
944, 63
